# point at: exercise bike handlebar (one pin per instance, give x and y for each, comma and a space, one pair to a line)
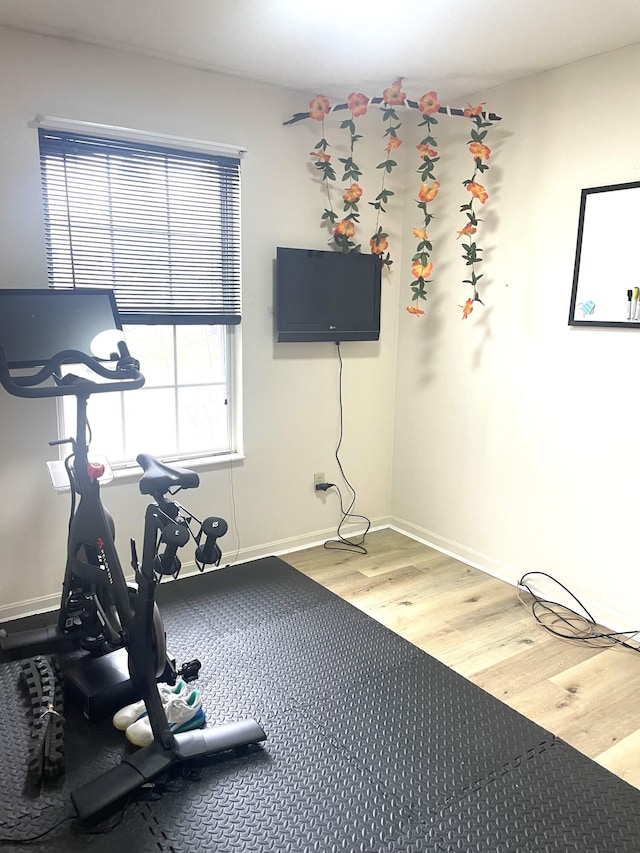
125, 375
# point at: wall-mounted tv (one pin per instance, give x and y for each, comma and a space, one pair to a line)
327, 296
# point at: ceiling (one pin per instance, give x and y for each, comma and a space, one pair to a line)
332, 47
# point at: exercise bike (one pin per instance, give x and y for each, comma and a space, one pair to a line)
99, 609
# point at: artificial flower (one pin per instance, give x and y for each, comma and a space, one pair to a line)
352, 193
428, 192
420, 270
393, 96
480, 151
426, 151
318, 107
378, 245
473, 111
428, 104
478, 191
413, 309
357, 103
345, 227
420, 233
466, 231
393, 142
320, 155
467, 308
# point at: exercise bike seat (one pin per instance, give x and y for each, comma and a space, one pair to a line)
158, 478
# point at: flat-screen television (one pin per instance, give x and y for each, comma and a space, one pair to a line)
327, 296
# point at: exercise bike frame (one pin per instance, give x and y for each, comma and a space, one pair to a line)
93, 560
91, 581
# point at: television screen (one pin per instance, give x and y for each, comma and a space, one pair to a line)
36, 324
327, 296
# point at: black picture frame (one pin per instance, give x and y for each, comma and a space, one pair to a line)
606, 277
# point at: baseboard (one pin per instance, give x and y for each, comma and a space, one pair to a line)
614, 620
281, 547
29, 607
277, 548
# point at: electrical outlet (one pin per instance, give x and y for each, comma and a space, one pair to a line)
318, 478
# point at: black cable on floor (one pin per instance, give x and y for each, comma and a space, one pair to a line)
568, 624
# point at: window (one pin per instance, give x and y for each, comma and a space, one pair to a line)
161, 226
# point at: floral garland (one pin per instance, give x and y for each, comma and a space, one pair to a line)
391, 97
343, 230
480, 152
421, 266
318, 108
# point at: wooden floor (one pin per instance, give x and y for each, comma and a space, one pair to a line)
477, 626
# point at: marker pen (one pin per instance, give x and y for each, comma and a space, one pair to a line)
634, 302
628, 304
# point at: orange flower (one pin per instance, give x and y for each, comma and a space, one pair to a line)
353, 193
466, 231
478, 191
394, 94
480, 150
428, 104
378, 245
357, 103
420, 233
413, 309
426, 151
318, 107
320, 155
467, 308
428, 192
393, 142
473, 111
346, 227
421, 270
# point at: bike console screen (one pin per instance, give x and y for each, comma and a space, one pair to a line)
35, 324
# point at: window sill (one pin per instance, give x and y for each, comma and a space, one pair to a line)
133, 472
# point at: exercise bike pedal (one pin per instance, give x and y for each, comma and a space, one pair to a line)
189, 671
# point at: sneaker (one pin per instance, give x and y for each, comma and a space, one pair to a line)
183, 712
130, 713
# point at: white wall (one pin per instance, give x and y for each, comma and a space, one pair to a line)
516, 436
290, 391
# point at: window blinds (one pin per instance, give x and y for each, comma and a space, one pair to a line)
159, 225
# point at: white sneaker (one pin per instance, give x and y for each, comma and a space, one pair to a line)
130, 713
184, 712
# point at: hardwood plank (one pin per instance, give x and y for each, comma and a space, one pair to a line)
623, 759
540, 659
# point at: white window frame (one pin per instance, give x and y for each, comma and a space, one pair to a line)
233, 335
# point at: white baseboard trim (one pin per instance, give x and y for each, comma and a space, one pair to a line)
29, 607
281, 547
469, 557
276, 548
614, 620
